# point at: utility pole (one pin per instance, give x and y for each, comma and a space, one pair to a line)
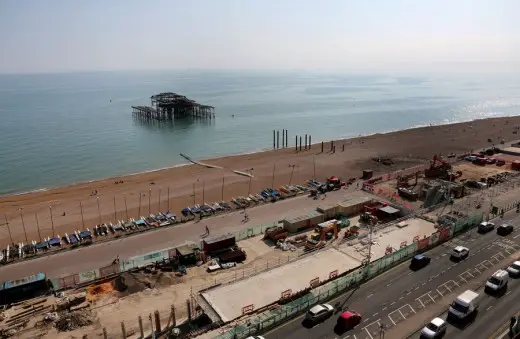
369, 255
140, 195
81, 211
272, 182
126, 208
38, 226
149, 200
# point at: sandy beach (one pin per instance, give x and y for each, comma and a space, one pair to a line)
192, 184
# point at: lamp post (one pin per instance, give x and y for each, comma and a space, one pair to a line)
99, 210
126, 208
140, 195
115, 210
149, 200
250, 179
52, 221
272, 181
8, 228
38, 226
222, 194
23, 225
81, 211
203, 192
193, 195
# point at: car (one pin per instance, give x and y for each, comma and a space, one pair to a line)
435, 329
500, 162
460, 252
256, 337
485, 227
470, 158
419, 261
319, 313
348, 320
514, 269
505, 229
491, 160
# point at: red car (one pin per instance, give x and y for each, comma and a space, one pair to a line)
491, 160
348, 320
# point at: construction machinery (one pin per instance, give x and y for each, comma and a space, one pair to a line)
276, 233
352, 231
368, 218
334, 183
324, 231
403, 180
452, 176
439, 168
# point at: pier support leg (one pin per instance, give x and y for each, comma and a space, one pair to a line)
310, 143
277, 139
157, 321
283, 138
305, 141
300, 142
296, 143
274, 139
286, 139
343, 150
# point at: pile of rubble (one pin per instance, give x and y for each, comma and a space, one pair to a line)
69, 321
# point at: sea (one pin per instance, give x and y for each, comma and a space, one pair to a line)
60, 129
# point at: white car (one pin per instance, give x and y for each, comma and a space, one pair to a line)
460, 252
319, 313
514, 269
435, 329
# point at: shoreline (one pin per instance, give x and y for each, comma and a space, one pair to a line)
80, 206
204, 160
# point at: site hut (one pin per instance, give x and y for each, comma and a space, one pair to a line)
218, 244
187, 254
353, 206
329, 210
303, 222
23, 289
388, 213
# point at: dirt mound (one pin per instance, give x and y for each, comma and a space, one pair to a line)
129, 283
95, 291
165, 279
69, 321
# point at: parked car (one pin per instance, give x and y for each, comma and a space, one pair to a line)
319, 313
256, 337
460, 252
500, 162
497, 281
505, 229
419, 261
435, 329
514, 269
485, 227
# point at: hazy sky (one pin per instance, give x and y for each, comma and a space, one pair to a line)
360, 35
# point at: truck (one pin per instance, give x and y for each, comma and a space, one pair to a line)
464, 306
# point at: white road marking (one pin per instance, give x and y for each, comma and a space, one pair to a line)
371, 294
487, 309
375, 314
516, 236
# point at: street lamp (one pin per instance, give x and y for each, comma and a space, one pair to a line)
99, 210
52, 221
250, 178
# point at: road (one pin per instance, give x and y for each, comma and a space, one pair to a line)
399, 293
102, 254
494, 311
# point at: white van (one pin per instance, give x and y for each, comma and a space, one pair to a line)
497, 281
464, 305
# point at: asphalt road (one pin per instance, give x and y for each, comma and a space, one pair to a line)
103, 253
494, 311
399, 293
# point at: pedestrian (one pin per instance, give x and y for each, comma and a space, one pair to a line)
207, 230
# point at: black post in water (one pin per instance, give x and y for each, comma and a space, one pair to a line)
300, 142
305, 141
286, 138
277, 139
322, 147
310, 143
296, 143
331, 145
274, 140
283, 137
343, 150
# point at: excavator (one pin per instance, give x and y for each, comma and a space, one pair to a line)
402, 181
439, 168
317, 238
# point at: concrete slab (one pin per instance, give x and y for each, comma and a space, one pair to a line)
390, 236
267, 287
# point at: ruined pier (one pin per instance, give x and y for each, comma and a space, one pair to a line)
170, 106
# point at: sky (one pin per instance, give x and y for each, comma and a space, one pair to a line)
44, 36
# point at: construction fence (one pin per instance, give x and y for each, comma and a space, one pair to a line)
339, 285
92, 276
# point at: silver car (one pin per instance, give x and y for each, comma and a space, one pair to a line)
319, 313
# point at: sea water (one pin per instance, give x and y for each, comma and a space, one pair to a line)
58, 129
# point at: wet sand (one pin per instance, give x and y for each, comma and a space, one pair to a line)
192, 184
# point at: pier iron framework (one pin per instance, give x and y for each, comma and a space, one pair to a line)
169, 106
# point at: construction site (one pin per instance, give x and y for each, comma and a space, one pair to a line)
202, 285
445, 179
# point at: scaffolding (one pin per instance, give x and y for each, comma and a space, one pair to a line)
170, 106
